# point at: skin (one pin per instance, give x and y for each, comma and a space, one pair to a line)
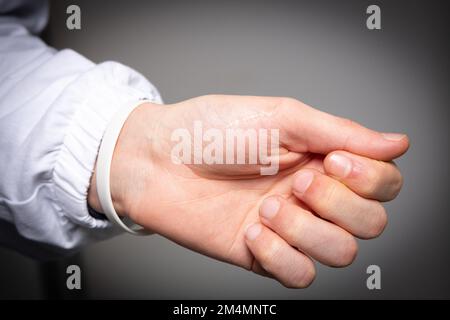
273, 225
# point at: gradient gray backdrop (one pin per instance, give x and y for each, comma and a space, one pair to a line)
395, 79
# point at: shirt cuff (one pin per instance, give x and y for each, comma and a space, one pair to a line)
96, 96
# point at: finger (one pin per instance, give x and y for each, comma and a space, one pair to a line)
320, 132
320, 239
369, 178
333, 201
288, 265
258, 269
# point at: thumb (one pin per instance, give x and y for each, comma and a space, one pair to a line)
305, 129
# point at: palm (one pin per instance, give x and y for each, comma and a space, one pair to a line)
207, 207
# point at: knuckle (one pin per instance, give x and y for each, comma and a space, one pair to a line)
329, 195
373, 181
347, 252
285, 105
397, 185
291, 233
287, 102
269, 255
347, 123
382, 182
307, 277
302, 279
293, 229
282, 108
379, 222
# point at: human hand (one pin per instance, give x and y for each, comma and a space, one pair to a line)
220, 209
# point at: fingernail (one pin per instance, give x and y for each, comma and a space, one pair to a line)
394, 136
340, 166
253, 231
269, 207
303, 181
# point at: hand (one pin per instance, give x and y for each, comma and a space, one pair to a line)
272, 225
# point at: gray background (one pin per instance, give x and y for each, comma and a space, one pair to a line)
395, 79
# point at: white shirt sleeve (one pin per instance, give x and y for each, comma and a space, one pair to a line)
54, 108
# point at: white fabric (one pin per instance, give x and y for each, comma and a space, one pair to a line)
54, 108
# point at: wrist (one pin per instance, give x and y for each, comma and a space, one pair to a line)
130, 153
94, 202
